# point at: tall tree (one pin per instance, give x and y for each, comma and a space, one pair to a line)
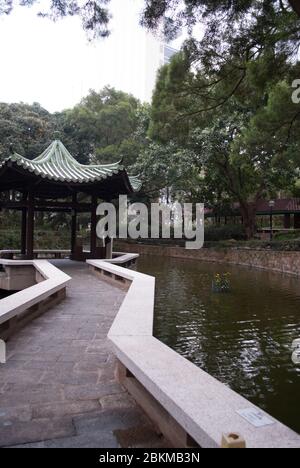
28, 129
248, 147
95, 14
104, 125
235, 33
228, 95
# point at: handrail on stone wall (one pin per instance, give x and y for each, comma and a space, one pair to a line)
190, 407
19, 308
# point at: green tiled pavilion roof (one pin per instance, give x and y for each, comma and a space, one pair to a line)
57, 164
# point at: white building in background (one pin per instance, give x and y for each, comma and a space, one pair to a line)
168, 52
156, 54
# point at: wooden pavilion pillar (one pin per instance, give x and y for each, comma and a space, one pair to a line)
297, 221
74, 224
23, 227
108, 243
93, 227
30, 227
287, 221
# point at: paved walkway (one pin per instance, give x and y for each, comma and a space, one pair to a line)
58, 388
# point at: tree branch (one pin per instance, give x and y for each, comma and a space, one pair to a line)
291, 125
216, 106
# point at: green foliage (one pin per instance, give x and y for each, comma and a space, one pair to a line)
277, 245
223, 127
282, 236
176, 14
242, 145
27, 129
221, 233
105, 127
162, 165
280, 246
231, 20
10, 239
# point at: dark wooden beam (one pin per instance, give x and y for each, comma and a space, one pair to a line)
47, 206
64, 204
52, 210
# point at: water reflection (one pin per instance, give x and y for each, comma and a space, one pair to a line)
4, 294
243, 338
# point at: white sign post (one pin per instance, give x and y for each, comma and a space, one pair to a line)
2, 352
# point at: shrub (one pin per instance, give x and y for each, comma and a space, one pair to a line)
291, 235
11, 239
226, 232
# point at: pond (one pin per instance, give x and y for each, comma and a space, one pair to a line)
242, 337
4, 294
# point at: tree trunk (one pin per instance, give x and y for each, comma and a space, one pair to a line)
295, 4
248, 212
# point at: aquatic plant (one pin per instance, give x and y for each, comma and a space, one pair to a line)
221, 282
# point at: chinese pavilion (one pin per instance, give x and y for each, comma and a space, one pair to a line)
52, 183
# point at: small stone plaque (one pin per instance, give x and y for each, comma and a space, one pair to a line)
255, 417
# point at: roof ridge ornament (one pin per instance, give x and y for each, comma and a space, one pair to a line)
56, 135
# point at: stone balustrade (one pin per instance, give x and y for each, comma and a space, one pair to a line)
44, 287
189, 406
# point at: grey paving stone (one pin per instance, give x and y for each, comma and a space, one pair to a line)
141, 437
48, 366
25, 376
41, 357
39, 445
15, 413
107, 374
89, 440
70, 377
56, 410
57, 388
91, 392
110, 420
117, 401
30, 395
35, 431
98, 359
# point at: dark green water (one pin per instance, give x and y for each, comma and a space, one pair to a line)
243, 338
4, 294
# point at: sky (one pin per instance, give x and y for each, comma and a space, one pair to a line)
55, 65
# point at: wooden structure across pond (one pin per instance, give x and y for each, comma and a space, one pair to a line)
56, 182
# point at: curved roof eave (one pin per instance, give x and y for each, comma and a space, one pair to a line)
57, 164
